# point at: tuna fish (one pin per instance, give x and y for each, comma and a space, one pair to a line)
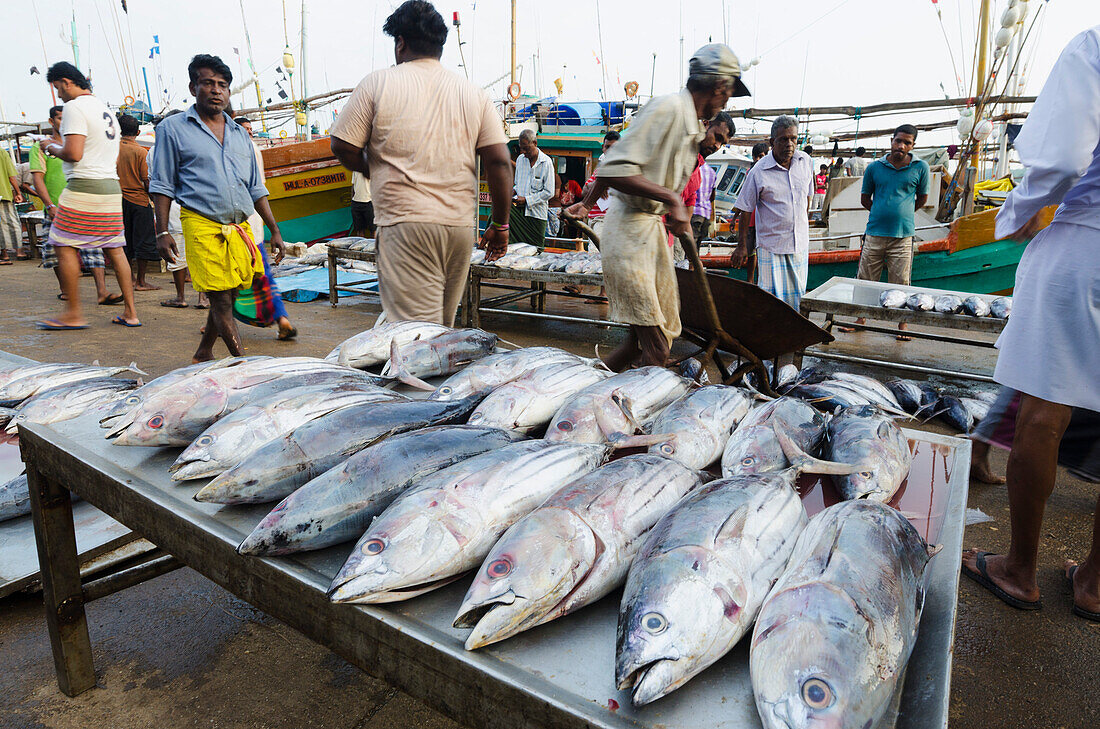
865, 438
920, 302
274, 470
754, 447
530, 401
833, 636
700, 423
955, 413
878, 393
976, 306
485, 375
233, 438
978, 409
443, 354
1001, 307
892, 298
572, 550
69, 401
338, 505
447, 522
372, 347
948, 304
32, 383
15, 498
616, 407
907, 393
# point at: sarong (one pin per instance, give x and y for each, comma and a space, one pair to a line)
89, 215
220, 257
783, 275
525, 229
260, 305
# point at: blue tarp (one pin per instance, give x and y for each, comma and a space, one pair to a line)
310, 285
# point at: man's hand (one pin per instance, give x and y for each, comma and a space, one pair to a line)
279, 246
17, 195
166, 247
495, 243
679, 218
740, 257
520, 201
577, 210
1030, 229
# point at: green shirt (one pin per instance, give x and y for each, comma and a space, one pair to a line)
7, 171
53, 169
894, 194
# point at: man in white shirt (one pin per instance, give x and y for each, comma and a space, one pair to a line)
856, 166
533, 189
362, 209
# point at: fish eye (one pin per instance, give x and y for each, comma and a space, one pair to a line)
374, 546
499, 568
817, 694
133, 400
747, 461
446, 390
155, 422
565, 425
866, 474
654, 623
667, 448
204, 440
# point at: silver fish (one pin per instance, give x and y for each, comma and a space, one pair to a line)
491, 372
338, 505
443, 354
700, 423
178, 414
978, 409
1001, 307
69, 401
276, 469
754, 447
787, 375
27, 386
373, 346
948, 304
15, 498
920, 302
955, 413
882, 394
572, 550
447, 523
832, 395
6, 414
833, 636
907, 393
530, 401
231, 439
864, 437
892, 298
616, 407
976, 306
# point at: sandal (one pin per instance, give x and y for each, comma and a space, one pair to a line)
982, 578
174, 304
1077, 609
122, 322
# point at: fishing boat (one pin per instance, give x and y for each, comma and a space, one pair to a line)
309, 190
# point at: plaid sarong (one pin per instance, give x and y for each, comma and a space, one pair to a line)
89, 215
783, 275
11, 231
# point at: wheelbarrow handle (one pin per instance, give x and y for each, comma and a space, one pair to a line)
582, 226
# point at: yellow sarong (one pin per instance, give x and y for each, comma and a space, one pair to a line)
220, 257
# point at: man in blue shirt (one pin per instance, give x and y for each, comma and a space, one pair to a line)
205, 162
894, 188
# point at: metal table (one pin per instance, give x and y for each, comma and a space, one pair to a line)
536, 290
557, 676
851, 297
354, 287
31, 220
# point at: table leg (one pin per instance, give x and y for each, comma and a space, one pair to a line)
540, 300
475, 301
52, 511
333, 294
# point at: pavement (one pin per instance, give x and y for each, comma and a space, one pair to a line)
179, 650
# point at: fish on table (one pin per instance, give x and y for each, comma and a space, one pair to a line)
47, 377
372, 347
69, 401
700, 424
907, 393
1001, 307
920, 302
948, 304
528, 402
441, 355
489, 373
976, 306
864, 437
892, 299
755, 448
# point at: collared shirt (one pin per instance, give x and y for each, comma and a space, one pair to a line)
1060, 143
708, 178
661, 145
7, 171
856, 166
535, 183
219, 181
133, 171
52, 169
894, 192
779, 196
421, 126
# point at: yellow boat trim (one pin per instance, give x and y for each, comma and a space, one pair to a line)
308, 182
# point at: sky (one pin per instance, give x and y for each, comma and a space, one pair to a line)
811, 52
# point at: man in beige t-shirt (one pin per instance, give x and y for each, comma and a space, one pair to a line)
415, 130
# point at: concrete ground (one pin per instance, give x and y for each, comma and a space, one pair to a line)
180, 651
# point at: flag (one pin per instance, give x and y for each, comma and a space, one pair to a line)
236, 50
124, 7
558, 85
156, 39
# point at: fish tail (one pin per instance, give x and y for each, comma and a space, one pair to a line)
804, 462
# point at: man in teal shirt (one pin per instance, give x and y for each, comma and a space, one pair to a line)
894, 188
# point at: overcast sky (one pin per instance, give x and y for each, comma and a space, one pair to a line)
812, 52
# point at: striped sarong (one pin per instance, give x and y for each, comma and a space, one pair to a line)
783, 275
89, 215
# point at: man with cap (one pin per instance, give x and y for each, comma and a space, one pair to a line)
648, 168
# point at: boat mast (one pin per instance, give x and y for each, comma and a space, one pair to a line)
252, 67
983, 57
513, 75
308, 131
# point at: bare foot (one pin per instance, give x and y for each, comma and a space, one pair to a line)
1086, 587
145, 286
1020, 586
982, 473
202, 356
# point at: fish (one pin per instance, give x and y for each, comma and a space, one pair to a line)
832, 395
754, 446
530, 401
477, 257
15, 498
892, 298
948, 304
339, 504
787, 375
69, 401
870, 385
929, 398
952, 411
446, 523
987, 396
1001, 307
443, 354
119, 410
36, 370
700, 423
616, 407
833, 636
274, 470
372, 346
178, 414
231, 439
976, 306
978, 409
863, 436
6, 414
907, 393
573, 549
920, 302
489, 373
32, 383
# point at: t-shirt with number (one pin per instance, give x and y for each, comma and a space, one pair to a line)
90, 117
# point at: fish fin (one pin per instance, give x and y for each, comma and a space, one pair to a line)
95, 363
134, 368
513, 345
398, 372
804, 462
598, 362
623, 403
933, 549
639, 441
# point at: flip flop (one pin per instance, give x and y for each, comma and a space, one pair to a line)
5, 261
1077, 609
112, 299
122, 322
847, 330
173, 304
200, 305
53, 325
903, 338
287, 335
982, 578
